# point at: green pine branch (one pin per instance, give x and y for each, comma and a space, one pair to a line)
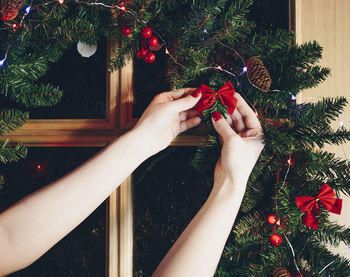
11, 119
11, 152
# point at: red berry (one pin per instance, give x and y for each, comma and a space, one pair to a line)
140, 54
150, 57
153, 41
271, 219
275, 239
147, 32
126, 30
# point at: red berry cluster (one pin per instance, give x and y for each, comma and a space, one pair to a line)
275, 239
144, 53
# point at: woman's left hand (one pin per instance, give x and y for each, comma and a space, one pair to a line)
169, 114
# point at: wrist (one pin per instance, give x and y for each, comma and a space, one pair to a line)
141, 142
229, 186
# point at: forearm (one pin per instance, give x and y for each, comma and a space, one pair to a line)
198, 250
33, 225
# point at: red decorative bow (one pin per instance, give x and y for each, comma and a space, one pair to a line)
225, 95
309, 205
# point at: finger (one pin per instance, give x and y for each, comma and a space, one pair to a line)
186, 102
222, 127
188, 114
237, 121
249, 117
251, 133
189, 123
176, 94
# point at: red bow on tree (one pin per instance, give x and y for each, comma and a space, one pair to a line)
309, 205
225, 95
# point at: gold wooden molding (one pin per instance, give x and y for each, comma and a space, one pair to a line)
75, 132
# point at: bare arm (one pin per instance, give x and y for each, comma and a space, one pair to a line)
33, 225
198, 250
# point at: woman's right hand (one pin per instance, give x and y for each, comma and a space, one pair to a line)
242, 142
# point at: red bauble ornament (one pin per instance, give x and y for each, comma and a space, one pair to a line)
150, 57
276, 239
141, 54
147, 32
126, 30
271, 219
153, 41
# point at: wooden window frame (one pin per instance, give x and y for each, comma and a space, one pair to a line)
75, 132
121, 204
99, 132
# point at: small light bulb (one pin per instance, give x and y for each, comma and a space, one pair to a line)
289, 161
2, 62
245, 69
38, 166
167, 51
219, 67
205, 31
28, 9
122, 8
293, 97
61, 2
341, 124
14, 27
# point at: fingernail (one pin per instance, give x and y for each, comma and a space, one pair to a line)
216, 116
196, 93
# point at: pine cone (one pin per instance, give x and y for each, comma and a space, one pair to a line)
281, 272
258, 74
9, 9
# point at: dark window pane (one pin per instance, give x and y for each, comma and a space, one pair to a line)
84, 83
80, 253
149, 80
167, 193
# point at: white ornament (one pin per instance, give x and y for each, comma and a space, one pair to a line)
86, 50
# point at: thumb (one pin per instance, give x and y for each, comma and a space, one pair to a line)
222, 127
187, 102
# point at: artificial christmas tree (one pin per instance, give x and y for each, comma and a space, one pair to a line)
209, 44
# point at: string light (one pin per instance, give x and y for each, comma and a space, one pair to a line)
245, 69
326, 267
28, 9
293, 97
4, 59
14, 27
341, 124
293, 253
122, 8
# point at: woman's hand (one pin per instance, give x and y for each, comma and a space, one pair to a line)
242, 139
169, 114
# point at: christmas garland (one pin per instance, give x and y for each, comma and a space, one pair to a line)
209, 44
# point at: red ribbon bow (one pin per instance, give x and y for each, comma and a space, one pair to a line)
225, 94
309, 205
